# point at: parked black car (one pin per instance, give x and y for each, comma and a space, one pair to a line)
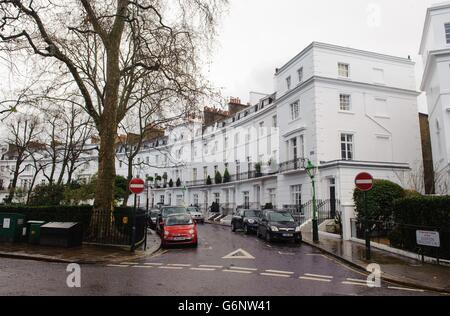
278, 225
153, 218
246, 220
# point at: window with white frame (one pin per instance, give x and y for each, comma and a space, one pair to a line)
347, 146
194, 174
345, 102
246, 198
295, 110
344, 70
300, 74
273, 196
195, 199
274, 121
296, 195
205, 173
217, 198
447, 32
288, 82
261, 129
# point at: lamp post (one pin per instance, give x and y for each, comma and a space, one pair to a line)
312, 170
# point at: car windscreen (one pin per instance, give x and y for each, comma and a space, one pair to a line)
154, 213
173, 210
192, 209
176, 220
281, 217
252, 213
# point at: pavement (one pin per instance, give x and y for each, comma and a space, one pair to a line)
87, 254
224, 263
394, 268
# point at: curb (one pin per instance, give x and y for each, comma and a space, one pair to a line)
385, 277
42, 258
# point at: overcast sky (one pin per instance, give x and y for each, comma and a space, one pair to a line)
258, 36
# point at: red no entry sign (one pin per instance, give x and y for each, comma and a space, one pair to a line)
137, 186
364, 181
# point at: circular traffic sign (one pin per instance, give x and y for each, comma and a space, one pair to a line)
364, 181
137, 186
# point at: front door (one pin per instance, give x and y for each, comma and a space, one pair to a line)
332, 198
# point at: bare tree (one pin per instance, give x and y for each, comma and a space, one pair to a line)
23, 136
106, 49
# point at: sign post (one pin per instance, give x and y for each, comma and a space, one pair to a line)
136, 187
364, 183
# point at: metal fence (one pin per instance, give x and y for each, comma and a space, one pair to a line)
326, 209
403, 236
116, 228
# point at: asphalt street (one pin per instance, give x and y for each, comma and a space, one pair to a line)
264, 270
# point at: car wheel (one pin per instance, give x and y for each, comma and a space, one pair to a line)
195, 245
268, 238
246, 231
233, 227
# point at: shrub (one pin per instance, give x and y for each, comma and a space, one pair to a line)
380, 200
258, 168
268, 206
208, 181
218, 178
226, 176
171, 183
47, 194
178, 182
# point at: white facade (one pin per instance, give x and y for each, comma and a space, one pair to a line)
346, 110
435, 51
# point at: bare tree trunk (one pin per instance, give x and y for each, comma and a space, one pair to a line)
129, 178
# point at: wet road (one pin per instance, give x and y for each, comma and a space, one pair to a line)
266, 270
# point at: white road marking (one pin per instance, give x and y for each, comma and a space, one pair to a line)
209, 266
278, 271
238, 254
286, 253
354, 283
314, 279
240, 268
153, 264
179, 265
203, 269
117, 265
276, 275
405, 289
171, 268
129, 263
238, 271
319, 276
357, 280
147, 267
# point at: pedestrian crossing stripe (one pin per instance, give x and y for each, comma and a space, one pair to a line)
239, 254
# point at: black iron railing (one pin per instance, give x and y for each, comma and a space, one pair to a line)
403, 236
296, 164
115, 228
326, 209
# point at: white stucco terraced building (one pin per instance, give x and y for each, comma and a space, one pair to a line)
345, 109
435, 51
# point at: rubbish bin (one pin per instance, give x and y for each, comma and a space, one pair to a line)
34, 231
12, 227
62, 234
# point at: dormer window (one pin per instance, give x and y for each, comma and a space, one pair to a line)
288, 82
447, 32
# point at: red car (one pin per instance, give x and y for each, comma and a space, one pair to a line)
179, 229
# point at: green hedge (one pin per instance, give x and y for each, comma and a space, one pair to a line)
421, 213
380, 200
52, 213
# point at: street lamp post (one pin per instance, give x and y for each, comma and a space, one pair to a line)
312, 170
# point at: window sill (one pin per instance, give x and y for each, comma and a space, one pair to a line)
346, 112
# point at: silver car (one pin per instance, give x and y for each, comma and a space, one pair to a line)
196, 215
